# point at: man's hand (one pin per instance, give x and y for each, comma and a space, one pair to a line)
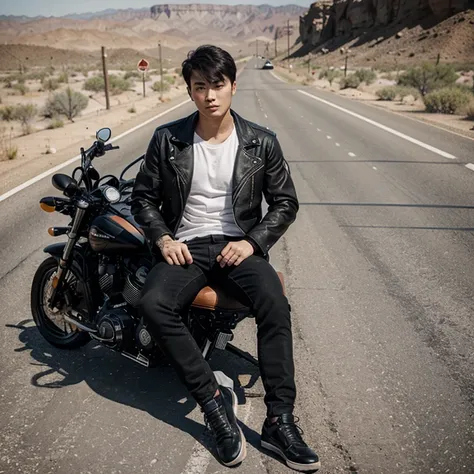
234, 253
174, 252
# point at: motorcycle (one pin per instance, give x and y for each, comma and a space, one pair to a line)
89, 287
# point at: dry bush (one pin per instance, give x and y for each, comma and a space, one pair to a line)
68, 103
429, 77
7, 150
470, 110
448, 100
25, 113
350, 82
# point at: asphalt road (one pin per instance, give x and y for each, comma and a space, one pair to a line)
379, 272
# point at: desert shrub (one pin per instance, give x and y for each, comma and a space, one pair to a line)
11, 152
448, 100
25, 113
330, 74
406, 91
8, 151
350, 82
63, 77
464, 88
169, 79
94, 84
387, 93
36, 75
68, 103
56, 122
118, 84
470, 110
50, 84
178, 71
428, 77
21, 88
7, 113
157, 86
366, 75
132, 74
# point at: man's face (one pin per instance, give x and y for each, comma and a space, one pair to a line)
213, 100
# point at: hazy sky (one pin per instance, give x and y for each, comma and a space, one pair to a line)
60, 7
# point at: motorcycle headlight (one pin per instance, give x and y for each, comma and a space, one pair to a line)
111, 194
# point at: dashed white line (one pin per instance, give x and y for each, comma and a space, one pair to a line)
338, 144
328, 137
318, 129
311, 123
351, 154
266, 116
383, 127
374, 168
470, 166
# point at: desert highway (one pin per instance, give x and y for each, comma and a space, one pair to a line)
379, 269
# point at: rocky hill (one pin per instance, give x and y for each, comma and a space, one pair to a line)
407, 28
177, 26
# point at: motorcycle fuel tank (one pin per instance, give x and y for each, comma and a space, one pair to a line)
111, 234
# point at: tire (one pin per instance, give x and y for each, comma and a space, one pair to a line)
60, 333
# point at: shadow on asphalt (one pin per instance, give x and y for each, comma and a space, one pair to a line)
154, 390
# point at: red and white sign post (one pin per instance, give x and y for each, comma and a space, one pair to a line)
143, 66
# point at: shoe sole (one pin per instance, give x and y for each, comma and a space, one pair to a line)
243, 450
294, 465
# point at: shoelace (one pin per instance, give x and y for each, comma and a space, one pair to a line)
293, 433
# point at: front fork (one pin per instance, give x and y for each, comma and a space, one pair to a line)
82, 207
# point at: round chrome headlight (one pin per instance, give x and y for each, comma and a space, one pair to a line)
111, 194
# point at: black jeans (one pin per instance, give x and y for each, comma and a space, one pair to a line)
169, 289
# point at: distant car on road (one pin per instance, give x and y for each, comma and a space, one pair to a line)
268, 65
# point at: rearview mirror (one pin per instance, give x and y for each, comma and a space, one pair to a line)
104, 134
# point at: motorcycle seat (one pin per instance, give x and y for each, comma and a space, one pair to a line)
214, 298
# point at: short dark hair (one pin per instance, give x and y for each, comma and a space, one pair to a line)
212, 62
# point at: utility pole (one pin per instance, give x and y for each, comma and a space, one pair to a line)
106, 79
276, 38
288, 36
161, 71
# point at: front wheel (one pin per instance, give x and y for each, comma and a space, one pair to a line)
51, 322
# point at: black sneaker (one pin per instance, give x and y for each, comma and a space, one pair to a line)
284, 438
220, 416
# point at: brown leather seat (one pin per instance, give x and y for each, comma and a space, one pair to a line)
212, 297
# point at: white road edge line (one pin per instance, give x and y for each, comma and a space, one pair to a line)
34, 180
275, 76
351, 154
383, 127
470, 166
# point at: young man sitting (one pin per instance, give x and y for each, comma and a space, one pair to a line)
198, 197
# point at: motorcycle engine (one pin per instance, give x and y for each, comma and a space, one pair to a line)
133, 286
116, 328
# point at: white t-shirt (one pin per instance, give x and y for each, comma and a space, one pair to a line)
208, 209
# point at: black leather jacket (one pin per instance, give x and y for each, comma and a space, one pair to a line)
163, 183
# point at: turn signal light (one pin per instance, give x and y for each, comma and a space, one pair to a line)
51, 232
47, 207
55, 282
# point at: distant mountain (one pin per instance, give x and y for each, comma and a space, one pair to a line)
175, 25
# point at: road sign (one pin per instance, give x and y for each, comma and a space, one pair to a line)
143, 65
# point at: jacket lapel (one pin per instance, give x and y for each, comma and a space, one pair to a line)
245, 161
182, 158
